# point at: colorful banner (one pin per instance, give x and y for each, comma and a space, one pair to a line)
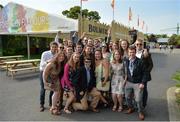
15, 18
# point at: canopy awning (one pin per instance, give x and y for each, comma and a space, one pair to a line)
19, 19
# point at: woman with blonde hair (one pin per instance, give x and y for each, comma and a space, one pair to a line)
51, 79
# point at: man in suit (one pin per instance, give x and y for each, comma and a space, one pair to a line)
86, 88
136, 77
145, 56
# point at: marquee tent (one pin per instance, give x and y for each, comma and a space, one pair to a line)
18, 19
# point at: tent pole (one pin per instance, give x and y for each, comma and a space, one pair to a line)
28, 47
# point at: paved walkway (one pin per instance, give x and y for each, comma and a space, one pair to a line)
174, 111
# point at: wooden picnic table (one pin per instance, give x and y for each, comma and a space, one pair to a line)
6, 58
21, 65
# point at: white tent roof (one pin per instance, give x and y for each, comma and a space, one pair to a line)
18, 19
163, 40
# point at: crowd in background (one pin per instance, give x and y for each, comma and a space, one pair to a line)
94, 72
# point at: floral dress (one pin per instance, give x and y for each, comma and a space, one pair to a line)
52, 78
117, 81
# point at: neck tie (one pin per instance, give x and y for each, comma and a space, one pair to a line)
131, 67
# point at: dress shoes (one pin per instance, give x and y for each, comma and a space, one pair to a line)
94, 110
141, 116
129, 111
42, 108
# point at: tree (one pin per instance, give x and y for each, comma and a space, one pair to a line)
94, 15
73, 13
152, 38
174, 40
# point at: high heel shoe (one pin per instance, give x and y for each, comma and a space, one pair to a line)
67, 111
120, 109
54, 111
105, 105
114, 108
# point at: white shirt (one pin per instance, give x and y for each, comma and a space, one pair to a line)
139, 53
46, 56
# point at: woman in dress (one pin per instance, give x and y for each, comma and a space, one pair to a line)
70, 79
118, 73
102, 75
51, 79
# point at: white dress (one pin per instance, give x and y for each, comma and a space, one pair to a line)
117, 80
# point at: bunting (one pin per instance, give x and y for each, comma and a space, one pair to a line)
143, 25
112, 4
138, 21
130, 14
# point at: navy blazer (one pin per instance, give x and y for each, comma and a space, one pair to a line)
139, 73
148, 63
92, 83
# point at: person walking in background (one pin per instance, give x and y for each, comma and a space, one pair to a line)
51, 79
45, 59
145, 56
119, 76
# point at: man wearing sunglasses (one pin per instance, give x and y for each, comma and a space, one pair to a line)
145, 56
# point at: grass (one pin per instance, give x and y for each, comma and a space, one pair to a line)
176, 77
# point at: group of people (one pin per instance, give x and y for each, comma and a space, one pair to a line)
91, 72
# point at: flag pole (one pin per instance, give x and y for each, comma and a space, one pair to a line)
113, 5
81, 16
113, 13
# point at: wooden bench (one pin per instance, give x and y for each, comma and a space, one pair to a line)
13, 71
4, 59
21, 65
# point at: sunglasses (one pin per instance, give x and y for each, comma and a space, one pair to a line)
87, 61
61, 47
139, 44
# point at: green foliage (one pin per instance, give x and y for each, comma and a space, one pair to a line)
152, 38
73, 13
176, 77
94, 15
174, 40
17, 45
161, 36
178, 100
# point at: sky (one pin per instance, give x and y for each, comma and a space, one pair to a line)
156, 14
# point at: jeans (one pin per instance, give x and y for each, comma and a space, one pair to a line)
134, 88
145, 95
42, 91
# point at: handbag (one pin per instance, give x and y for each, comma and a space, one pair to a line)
105, 87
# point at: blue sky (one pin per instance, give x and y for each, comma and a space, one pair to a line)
157, 14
